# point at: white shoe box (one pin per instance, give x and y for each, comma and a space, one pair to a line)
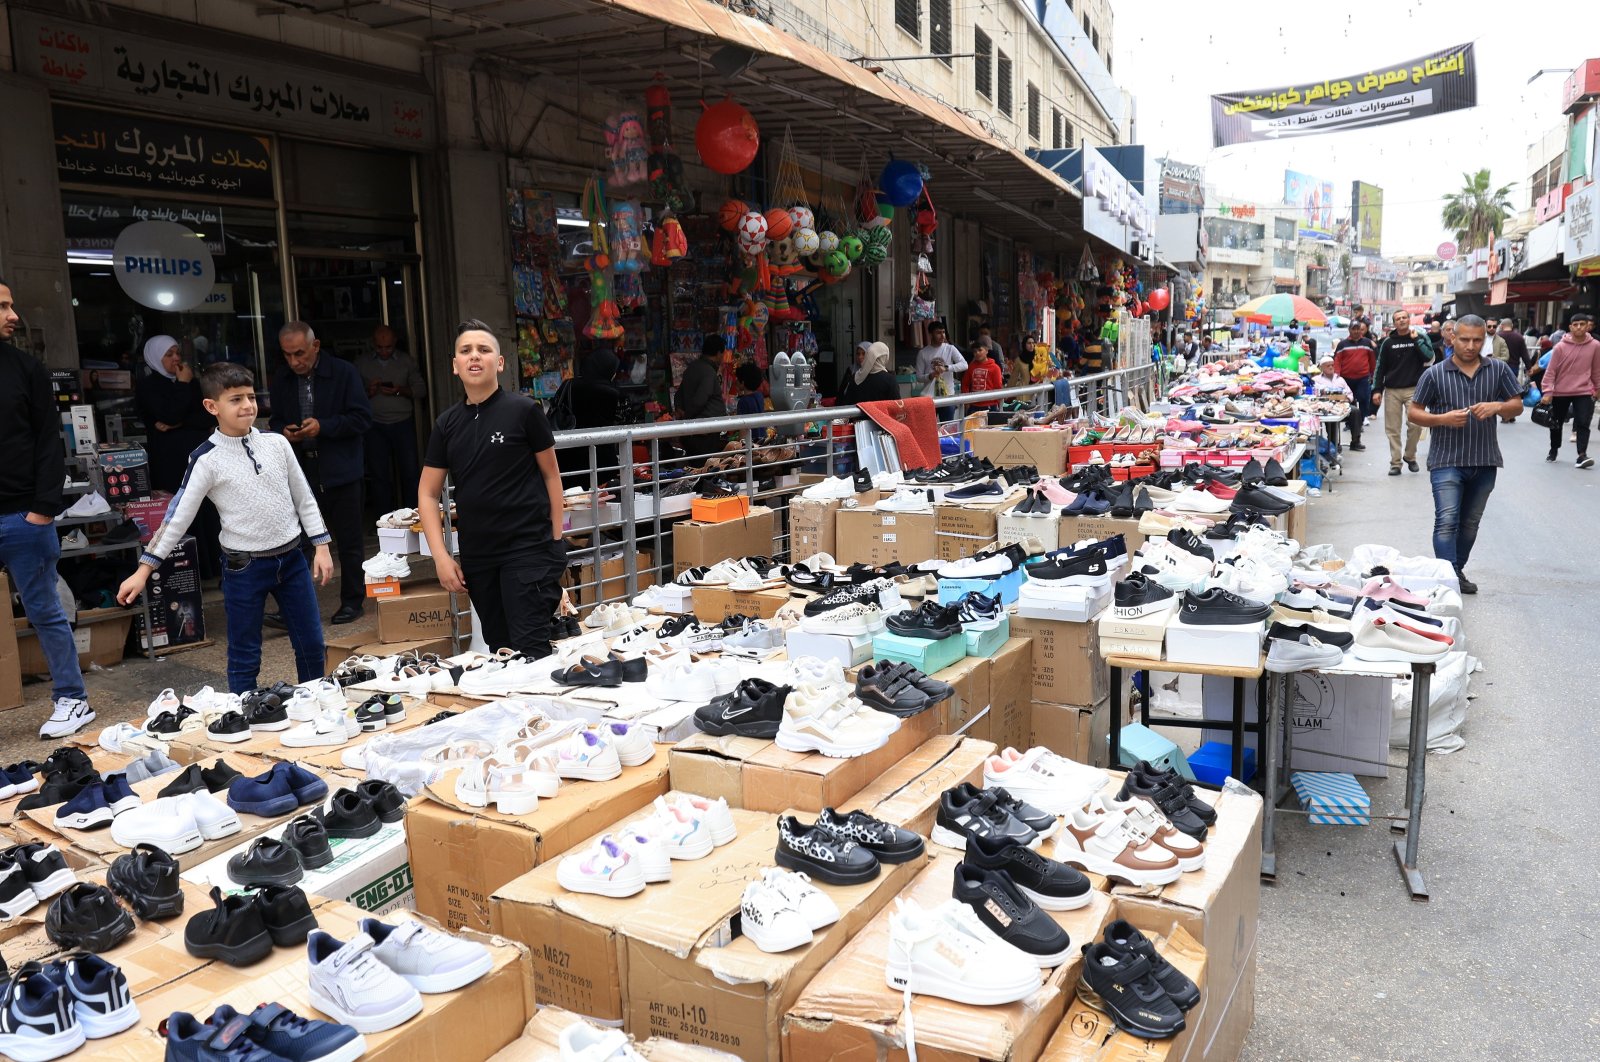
1222, 644
675, 598
399, 540
1045, 529
1143, 648
845, 650
1074, 604
1145, 628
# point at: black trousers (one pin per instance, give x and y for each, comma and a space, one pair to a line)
516, 596
342, 512
1577, 408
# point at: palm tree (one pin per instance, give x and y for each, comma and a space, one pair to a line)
1476, 214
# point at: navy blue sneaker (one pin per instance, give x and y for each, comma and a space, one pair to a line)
36, 1017
293, 1038
119, 794
18, 778
190, 1040
99, 992
268, 795
87, 810
307, 787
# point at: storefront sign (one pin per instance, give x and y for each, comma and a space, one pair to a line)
1551, 204
219, 301
175, 76
1433, 84
163, 265
1583, 240
1446, 251
1112, 208
127, 151
1182, 188
1581, 87
1244, 210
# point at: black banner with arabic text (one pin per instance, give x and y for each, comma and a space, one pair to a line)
1438, 83
121, 150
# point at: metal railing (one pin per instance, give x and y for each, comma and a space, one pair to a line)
768, 453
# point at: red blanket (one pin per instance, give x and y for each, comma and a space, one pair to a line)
915, 427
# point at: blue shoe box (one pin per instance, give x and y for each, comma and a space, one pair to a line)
1139, 742
927, 655
1213, 762
1332, 797
1007, 586
987, 643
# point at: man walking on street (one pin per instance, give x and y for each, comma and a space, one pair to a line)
1354, 358
393, 383
30, 498
1402, 357
320, 405
1569, 384
1462, 400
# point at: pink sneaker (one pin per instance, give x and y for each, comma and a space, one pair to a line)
1052, 489
1384, 588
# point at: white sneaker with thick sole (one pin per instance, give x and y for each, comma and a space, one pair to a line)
582, 1042
1044, 779
646, 849
1147, 821
350, 985
632, 743
823, 721
586, 755
814, 905
67, 717
1108, 845
603, 869
770, 920
428, 960
682, 834
714, 814
938, 953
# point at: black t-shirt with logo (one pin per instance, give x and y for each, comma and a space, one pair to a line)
501, 499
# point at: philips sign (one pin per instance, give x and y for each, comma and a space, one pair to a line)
163, 265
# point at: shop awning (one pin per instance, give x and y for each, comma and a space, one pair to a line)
835, 108
1504, 292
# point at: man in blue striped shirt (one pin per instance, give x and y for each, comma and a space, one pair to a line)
1462, 399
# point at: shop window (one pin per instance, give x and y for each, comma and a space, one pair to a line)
1055, 129
1094, 35
1086, 23
1066, 133
1033, 111
983, 63
328, 177
1003, 76
908, 17
939, 39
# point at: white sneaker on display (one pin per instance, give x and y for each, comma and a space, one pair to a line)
713, 815
683, 834
350, 985
165, 701
681, 682
1146, 820
588, 756
825, 720
906, 500
91, 504
770, 920
853, 620
834, 488
582, 1042
428, 960
632, 742
940, 953
813, 671
655, 599
332, 726
814, 905
645, 848
1109, 845
604, 869
1044, 779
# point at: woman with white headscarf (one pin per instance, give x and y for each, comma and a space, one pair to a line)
175, 420
872, 377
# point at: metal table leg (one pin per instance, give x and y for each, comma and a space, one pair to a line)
1267, 713
1238, 728
1405, 852
1116, 718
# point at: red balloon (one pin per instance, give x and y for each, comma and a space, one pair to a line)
1160, 299
727, 137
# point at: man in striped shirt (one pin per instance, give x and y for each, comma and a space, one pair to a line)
1462, 399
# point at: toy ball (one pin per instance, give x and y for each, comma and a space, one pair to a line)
836, 263
1160, 299
727, 137
874, 253
851, 247
900, 182
827, 242
802, 217
778, 223
752, 226
728, 217
876, 237
751, 246
806, 241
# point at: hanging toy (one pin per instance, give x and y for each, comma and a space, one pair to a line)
666, 168
806, 242
802, 217
604, 318
730, 213
851, 247
625, 147
782, 255
752, 233
875, 246
630, 291
836, 264
726, 136
670, 243
901, 182
779, 224
827, 241
627, 237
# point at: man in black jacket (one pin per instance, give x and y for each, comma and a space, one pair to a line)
1402, 356
30, 497
320, 405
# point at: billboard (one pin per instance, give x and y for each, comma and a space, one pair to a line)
1432, 84
1312, 199
1366, 206
1183, 188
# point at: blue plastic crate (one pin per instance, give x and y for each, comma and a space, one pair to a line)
1213, 762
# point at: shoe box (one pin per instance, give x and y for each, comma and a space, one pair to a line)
612, 583
963, 528
1336, 722
1067, 664
868, 536
401, 540
99, 635
1088, 1035
717, 510
1077, 528
846, 650
1002, 717
695, 544
1216, 644
1078, 732
1046, 530
1044, 450
989, 642
813, 523
907, 794
1138, 742
450, 543
177, 613
1218, 906
713, 604
1006, 586
1143, 637
474, 1021
461, 854
757, 775
1070, 604
927, 655
125, 470
421, 611
847, 1011
670, 961
10, 656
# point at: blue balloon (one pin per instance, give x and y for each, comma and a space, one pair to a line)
901, 182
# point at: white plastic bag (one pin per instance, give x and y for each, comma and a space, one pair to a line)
1447, 705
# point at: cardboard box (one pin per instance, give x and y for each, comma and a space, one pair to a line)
1046, 530
1076, 528
1070, 604
970, 677
613, 582
100, 637
1067, 665
339, 648
147, 514
1044, 450
696, 544
1009, 697
1137, 647
870, 537
848, 1012
10, 656
846, 650
1077, 732
1219, 906
417, 612
927, 655
1087, 1035
1221, 645
671, 961
907, 794
713, 604
401, 540
813, 526
460, 855
389, 587
964, 529
1336, 722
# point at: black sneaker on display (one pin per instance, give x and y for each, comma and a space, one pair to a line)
348, 816
286, 913
1170, 801
147, 879
1216, 606
818, 853
1139, 595
889, 693
370, 717
1189, 542
1084, 569
310, 838
1291, 631
232, 931
1120, 937
87, 917
1254, 499
387, 802
890, 844
753, 709
965, 812
1042, 822
985, 488
1153, 775
265, 712
842, 596
268, 861
69, 760
930, 622
1010, 915
57, 788
1053, 885
1125, 987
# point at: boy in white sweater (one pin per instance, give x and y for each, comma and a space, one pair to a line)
265, 502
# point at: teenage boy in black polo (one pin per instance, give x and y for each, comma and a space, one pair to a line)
499, 451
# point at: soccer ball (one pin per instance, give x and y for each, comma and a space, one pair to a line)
827, 241
851, 246
802, 217
806, 241
752, 227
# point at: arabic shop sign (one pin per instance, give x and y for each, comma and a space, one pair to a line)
1434, 84
1583, 234
130, 151
172, 76
163, 265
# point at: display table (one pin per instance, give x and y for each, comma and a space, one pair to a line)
1239, 675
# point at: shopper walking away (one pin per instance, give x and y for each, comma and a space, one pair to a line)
938, 365
983, 374
499, 451
30, 497
872, 379
700, 394
394, 384
169, 402
1402, 357
1568, 386
1354, 359
1462, 401
266, 502
320, 405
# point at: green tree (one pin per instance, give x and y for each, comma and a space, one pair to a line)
1477, 213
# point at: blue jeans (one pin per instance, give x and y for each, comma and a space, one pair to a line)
1459, 496
29, 552
287, 578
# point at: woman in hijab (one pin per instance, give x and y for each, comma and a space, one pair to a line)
175, 420
873, 378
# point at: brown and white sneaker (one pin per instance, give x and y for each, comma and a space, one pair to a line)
1147, 820
1110, 845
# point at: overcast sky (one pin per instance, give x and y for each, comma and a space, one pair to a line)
1174, 64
